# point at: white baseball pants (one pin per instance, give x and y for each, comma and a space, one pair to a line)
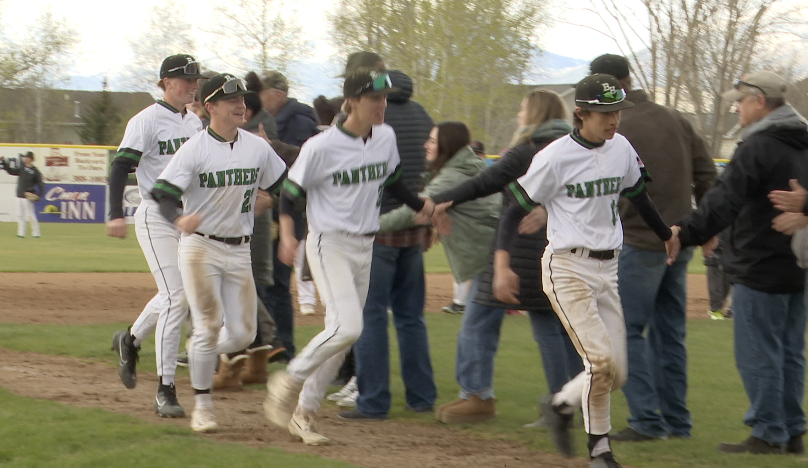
583, 293
26, 213
167, 310
340, 267
461, 292
221, 291
306, 292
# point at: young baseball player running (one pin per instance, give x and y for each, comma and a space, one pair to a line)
209, 192
579, 179
151, 139
342, 172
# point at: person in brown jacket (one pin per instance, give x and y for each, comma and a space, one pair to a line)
654, 294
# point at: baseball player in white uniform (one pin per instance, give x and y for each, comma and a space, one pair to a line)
579, 179
151, 139
209, 192
342, 172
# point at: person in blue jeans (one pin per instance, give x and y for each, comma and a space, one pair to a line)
542, 119
654, 294
768, 284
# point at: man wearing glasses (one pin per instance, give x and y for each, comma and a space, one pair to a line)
210, 191
149, 143
768, 285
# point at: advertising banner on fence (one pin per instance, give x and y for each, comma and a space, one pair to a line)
74, 172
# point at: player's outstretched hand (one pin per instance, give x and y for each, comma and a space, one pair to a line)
789, 201
708, 248
188, 223
441, 220
506, 285
789, 223
116, 228
673, 245
424, 216
286, 250
534, 221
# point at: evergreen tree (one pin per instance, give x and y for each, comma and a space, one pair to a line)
100, 121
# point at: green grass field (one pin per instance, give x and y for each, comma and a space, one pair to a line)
37, 433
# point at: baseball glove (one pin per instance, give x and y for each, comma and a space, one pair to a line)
31, 196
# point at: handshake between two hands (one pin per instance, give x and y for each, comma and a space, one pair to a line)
437, 216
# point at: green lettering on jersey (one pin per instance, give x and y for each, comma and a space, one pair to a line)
221, 179
237, 176
337, 178
170, 148
346, 179
598, 184
372, 172
579, 191
162, 145
590, 189
570, 190
178, 142
355, 176
229, 173
202, 179
212, 181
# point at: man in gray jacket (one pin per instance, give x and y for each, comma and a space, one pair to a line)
653, 293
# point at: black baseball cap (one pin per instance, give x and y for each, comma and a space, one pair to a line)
610, 64
181, 66
367, 82
601, 93
223, 86
478, 146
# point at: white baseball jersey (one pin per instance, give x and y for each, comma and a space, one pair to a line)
151, 139
217, 180
580, 186
343, 177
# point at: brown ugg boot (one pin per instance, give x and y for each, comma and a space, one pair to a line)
256, 372
229, 375
473, 410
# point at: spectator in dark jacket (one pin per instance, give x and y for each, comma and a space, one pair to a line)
296, 121
653, 293
397, 276
30, 179
542, 119
767, 282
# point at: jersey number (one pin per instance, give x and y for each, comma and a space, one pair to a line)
246, 206
614, 212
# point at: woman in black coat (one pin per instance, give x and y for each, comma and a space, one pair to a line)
542, 119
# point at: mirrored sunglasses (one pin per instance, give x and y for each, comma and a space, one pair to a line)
379, 81
191, 68
229, 87
608, 97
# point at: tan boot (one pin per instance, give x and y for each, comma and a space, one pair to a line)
473, 410
229, 375
256, 372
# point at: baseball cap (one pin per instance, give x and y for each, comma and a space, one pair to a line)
276, 80
223, 86
601, 93
760, 82
477, 147
610, 64
180, 66
367, 82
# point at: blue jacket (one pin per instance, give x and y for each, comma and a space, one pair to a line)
296, 122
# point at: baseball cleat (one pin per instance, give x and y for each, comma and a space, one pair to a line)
604, 460
123, 344
347, 390
281, 400
559, 420
166, 403
303, 426
203, 420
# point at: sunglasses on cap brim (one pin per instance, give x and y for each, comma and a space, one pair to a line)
379, 82
747, 88
610, 97
191, 68
229, 87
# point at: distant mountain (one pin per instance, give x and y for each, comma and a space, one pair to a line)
549, 68
83, 83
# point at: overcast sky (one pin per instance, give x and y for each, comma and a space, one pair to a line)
106, 24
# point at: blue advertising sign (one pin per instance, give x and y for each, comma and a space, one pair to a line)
70, 203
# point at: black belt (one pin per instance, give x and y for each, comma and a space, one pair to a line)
599, 254
227, 240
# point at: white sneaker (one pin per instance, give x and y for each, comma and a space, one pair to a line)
350, 400
281, 400
203, 420
345, 391
303, 426
307, 309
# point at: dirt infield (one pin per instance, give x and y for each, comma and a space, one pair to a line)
91, 298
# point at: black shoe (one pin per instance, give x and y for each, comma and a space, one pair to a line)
604, 460
166, 404
751, 445
425, 409
795, 446
123, 343
559, 420
356, 415
630, 435
182, 359
454, 308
